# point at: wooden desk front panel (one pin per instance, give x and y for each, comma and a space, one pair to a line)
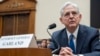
25, 52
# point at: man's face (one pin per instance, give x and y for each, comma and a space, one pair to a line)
70, 17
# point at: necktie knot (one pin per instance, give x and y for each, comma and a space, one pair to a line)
71, 37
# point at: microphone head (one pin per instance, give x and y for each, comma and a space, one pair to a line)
52, 26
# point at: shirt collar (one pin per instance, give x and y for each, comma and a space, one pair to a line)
75, 32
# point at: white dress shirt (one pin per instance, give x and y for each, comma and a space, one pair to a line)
75, 33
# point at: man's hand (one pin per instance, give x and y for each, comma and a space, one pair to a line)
66, 51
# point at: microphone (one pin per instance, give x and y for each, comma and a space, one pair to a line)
51, 27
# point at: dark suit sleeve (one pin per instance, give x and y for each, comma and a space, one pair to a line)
54, 45
95, 45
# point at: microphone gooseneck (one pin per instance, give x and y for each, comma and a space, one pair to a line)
51, 27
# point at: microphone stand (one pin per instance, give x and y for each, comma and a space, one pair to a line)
48, 32
54, 51
51, 27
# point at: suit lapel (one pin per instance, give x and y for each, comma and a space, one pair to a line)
80, 39
64, 39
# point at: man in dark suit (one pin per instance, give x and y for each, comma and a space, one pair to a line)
85, 39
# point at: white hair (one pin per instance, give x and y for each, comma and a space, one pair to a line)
67, 4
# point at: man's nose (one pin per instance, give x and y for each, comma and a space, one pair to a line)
71, 15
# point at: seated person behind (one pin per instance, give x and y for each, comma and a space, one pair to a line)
48, 43
43, 43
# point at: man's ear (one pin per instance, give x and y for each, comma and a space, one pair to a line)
80, 16
61, 20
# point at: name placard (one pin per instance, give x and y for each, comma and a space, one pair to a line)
16, 41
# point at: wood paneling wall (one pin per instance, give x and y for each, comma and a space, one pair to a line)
17, 17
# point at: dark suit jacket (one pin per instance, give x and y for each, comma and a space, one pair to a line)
88, 42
